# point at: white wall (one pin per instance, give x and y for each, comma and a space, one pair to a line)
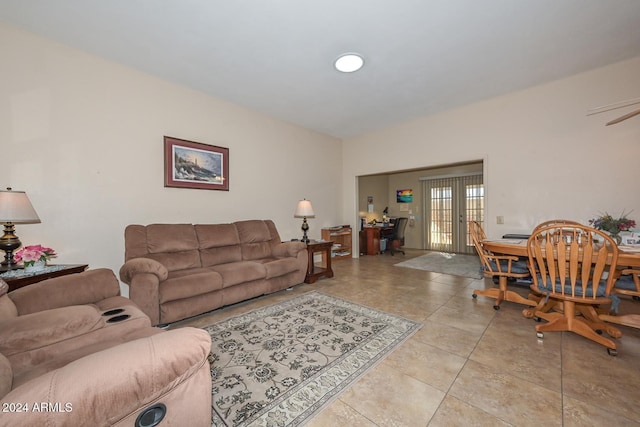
543, 157
84, 138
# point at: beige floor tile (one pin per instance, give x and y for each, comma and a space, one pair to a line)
514, 400
589, 374
426, 363
510, 343
448, 338
339, 414
471, 321
455, 413
584, 414
390, 398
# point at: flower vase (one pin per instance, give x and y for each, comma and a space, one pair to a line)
35, 267
615, 236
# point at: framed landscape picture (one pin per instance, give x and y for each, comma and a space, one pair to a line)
404, 196
189, 164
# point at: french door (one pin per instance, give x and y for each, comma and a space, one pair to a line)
449, 204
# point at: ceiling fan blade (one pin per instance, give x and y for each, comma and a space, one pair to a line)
614, 106
625, 117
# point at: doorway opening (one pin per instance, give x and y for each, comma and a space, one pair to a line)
377, 193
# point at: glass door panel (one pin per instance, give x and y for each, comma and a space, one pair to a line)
450, 203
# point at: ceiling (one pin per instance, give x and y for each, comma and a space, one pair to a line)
421, 56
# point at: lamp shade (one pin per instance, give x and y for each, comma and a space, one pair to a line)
304, 209
16, 208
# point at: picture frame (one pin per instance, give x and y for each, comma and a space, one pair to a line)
404, 196
189, 164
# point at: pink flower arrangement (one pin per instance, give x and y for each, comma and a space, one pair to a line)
30, 254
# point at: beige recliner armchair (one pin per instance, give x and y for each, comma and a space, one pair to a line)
73, 352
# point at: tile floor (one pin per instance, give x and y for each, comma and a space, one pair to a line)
469, 364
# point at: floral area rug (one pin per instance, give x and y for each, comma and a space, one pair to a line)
443, 262
281, 364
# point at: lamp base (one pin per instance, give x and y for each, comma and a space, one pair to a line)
9, 242
305, 228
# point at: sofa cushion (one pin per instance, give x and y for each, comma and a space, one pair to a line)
135, 236
219, 244
277, 267
173, 245
217, 235
255, 239
188, 283
171, 238
240, 272
253, 230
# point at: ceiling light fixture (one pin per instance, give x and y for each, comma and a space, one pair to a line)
349, 62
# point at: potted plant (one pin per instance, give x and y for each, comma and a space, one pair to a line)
612, 225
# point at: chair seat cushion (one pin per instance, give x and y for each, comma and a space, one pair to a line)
517, 267
557, 287
626, 282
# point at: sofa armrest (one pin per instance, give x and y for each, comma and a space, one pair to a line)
288, 249
44, 328
88, 287
113, 386
140, 266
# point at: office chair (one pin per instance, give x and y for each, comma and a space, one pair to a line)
397, 239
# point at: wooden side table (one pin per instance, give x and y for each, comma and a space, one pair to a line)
314, 272
19, 278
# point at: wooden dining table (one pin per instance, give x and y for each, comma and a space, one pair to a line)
627, 257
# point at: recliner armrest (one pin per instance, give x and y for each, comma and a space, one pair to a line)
36, 330
140, 373
142, 265
288, 249
88, 287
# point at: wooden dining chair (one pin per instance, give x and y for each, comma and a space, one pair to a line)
503, 267
549, 304
579, 273
555, 222
627, 285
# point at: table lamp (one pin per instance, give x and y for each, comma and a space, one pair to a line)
15, 208
304, 210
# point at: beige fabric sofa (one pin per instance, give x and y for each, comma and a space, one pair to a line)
175, 271
74, 352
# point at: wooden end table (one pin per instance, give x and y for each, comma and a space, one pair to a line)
314, 272
19, 278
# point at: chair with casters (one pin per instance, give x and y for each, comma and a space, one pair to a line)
502, 267
396, 241
550, 304
628, 284
569, 267
555, 222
